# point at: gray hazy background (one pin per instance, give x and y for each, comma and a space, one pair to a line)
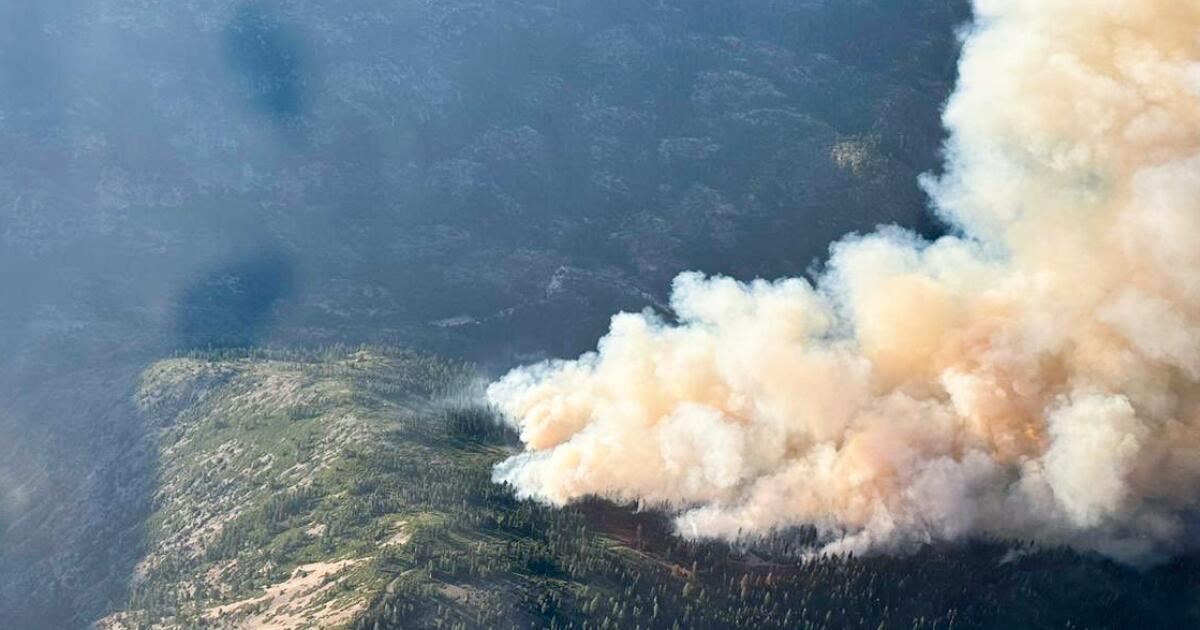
486, 179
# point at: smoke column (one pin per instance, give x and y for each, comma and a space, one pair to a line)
1036, 376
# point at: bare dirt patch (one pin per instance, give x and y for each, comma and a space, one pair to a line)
295, 603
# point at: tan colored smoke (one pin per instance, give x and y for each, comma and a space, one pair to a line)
1037, 378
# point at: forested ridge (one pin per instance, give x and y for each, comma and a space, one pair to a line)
400, 501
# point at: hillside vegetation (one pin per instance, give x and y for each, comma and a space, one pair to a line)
351, 488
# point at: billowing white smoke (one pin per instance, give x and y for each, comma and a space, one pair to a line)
1037, 377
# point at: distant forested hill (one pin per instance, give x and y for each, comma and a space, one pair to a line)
484, 178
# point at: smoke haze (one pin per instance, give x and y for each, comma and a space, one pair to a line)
1036, 376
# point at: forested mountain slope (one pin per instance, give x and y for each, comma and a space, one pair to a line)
351, 487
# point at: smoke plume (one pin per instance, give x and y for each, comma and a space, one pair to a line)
1036, 376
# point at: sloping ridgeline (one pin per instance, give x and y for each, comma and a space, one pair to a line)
351, 488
